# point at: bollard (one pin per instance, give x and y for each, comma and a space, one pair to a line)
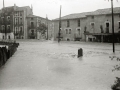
80, 52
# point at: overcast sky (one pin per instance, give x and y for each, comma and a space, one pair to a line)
52, 7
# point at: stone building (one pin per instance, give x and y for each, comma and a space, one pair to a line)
13, 22
18, 23
33, 23
89, 26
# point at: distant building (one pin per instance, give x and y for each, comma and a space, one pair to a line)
19, 23
13, 22
89, 26
33, 23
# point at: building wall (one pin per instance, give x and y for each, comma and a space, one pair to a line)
101, 20
73, 26
36, 21
86, 22
6, 20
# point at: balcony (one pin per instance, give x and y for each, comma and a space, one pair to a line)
7, 31
31, 27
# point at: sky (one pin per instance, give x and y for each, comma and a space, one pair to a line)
51, 8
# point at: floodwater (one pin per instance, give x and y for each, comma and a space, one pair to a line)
47, 65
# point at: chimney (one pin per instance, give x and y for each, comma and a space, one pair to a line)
14, 6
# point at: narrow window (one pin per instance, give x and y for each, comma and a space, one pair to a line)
32, 24
8, 27
119, 24
78, 30
32, 18
8, 18
20, 20
20, 13
92, 17
66, 31
8, 37
69, 31
32, 32
68, 23
92, 24
79, 23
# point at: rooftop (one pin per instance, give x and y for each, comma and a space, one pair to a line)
85, 14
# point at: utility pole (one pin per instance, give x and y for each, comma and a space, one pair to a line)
4, 20
113, 26
59, 25
113, 35
47, 26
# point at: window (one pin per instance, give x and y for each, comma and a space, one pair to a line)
21, 31
66, 31
69, 31
8, 37
32, 32
32, 18
20, 20
32, 24
8, 18
3, 37
92, 17
3, 27
8, 27
16, 21
119, 24
92, 24
68, 23
20, 13
79, 23
16, 30
78, 30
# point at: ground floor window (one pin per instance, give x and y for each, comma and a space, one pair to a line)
119, 24
8, 37
3, 37
68, 31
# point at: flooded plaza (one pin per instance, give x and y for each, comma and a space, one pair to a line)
49, 65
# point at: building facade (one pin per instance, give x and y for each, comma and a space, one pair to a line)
20, 23
89, 26
13, 24
33, 24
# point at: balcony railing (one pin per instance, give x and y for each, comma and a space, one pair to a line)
31, 27
7, 31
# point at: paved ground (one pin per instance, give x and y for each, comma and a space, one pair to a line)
47, 65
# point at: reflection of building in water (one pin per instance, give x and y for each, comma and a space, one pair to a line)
89, 26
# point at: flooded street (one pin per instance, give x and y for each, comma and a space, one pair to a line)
47, 65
